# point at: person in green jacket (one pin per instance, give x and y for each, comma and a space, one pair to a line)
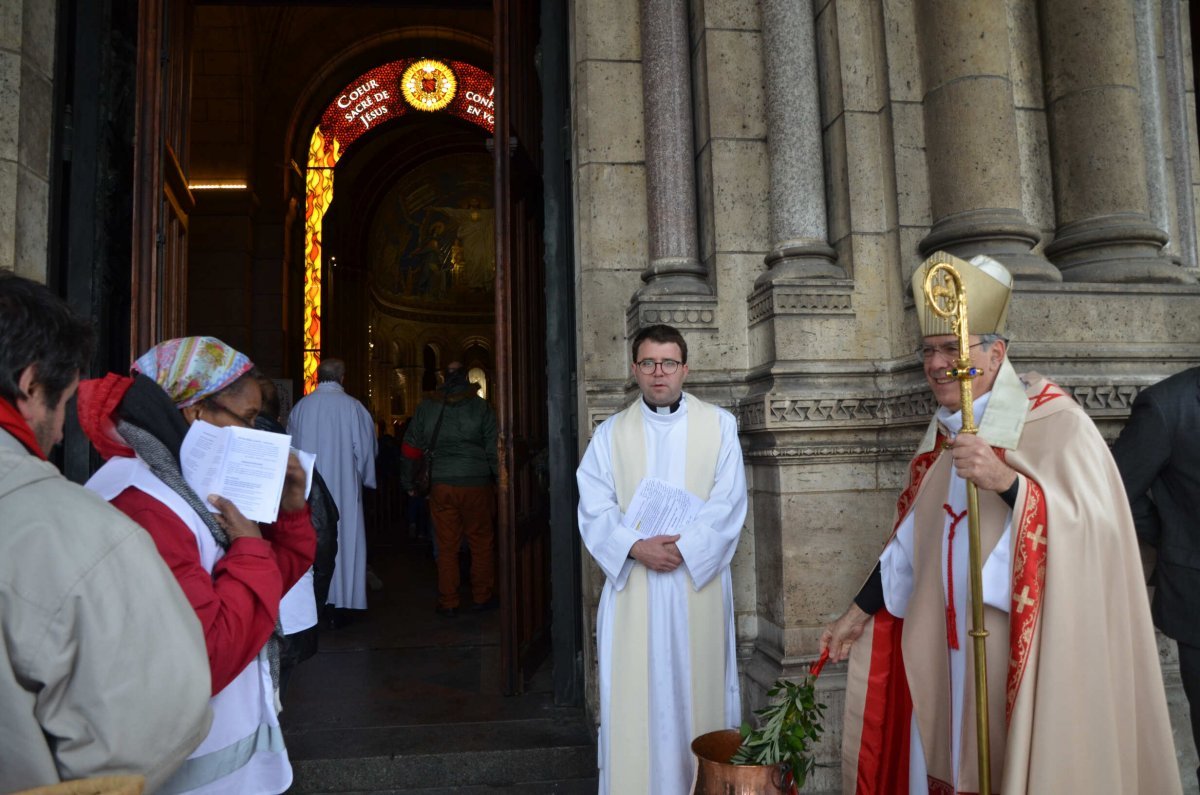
457, 430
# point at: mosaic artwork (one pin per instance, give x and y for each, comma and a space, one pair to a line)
432, 240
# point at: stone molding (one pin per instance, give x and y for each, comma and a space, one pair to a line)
597, 416
1104, 399
772, 413
831, 297
693, 313
389, 307
829, 453
780, 413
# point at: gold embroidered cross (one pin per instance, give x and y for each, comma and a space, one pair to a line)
1039, 535
1022, 599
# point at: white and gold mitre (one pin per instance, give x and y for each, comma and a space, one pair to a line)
988, 286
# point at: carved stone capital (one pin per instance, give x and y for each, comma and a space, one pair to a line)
801, 297
686, 313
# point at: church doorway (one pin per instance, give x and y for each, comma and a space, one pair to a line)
442, 234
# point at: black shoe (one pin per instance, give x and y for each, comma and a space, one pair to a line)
447, 612
490, 604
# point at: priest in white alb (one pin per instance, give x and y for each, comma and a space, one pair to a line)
339, 431
665, 631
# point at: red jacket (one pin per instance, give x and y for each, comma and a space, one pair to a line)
238, 603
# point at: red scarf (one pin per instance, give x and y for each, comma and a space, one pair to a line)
12, 421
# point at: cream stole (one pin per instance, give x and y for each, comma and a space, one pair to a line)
630, 700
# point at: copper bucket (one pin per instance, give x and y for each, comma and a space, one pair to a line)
716, 776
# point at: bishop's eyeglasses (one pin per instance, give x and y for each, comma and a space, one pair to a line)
669, 366
949, 350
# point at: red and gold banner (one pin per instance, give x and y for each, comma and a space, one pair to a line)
410, 85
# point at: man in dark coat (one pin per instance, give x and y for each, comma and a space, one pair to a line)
300, 644
1158, 454
458, 429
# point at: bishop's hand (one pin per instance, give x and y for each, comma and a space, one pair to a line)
977, 462
838, 637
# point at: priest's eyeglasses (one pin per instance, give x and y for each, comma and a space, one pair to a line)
669, 366
949, 350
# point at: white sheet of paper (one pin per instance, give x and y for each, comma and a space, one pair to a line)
308, 461
658, 508
243, 465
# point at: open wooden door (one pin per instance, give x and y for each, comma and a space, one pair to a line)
523, 502
161, 198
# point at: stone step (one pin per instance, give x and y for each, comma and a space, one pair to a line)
554, 753
578, 786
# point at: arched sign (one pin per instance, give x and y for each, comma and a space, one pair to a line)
374, 98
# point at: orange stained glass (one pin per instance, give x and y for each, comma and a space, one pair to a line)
319, 187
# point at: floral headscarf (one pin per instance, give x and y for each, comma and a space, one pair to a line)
190, 369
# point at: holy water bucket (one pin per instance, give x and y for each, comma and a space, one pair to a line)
716, 776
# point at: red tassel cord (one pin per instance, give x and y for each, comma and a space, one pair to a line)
951, 613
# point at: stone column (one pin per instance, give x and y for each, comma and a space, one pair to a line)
1098, 153
675, 267
971, 138
799, 233
26, 131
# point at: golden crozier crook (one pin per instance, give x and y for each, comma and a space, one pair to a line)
946, 296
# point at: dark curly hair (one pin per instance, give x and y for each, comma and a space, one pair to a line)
39, 329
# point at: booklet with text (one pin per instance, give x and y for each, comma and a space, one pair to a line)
243, 465
658, 508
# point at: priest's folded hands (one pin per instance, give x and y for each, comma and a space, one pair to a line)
657, 553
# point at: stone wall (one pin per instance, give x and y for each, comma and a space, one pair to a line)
26, 132
924, 125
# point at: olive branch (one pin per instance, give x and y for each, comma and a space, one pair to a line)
788, 728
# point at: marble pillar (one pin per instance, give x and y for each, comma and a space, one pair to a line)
674, 268
799, 231
971, 138
1097, 146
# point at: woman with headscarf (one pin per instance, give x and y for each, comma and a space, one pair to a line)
232, 570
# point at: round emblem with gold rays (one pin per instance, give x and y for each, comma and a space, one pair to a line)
428, 85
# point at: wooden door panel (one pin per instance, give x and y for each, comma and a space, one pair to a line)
521, 350
162, 201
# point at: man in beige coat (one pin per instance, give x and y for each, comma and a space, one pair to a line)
1075, 693
103, 668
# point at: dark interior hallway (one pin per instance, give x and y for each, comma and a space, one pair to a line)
404, 700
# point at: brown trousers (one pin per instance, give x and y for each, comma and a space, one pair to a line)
459, 510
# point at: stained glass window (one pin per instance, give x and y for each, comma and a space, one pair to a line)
374, 98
